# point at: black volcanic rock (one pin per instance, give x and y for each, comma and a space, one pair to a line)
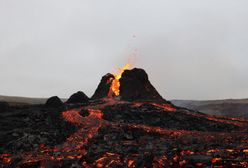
135, 85
104, 86
3, 106
24, 128
54, 102
78, 97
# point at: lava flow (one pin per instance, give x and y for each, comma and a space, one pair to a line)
73, 148
151, 142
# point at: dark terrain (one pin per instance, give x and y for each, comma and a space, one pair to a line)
26, 127
14, 100
137, 128
229, 108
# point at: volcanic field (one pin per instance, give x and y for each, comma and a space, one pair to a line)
125, 124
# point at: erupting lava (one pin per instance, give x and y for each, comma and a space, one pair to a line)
115, 86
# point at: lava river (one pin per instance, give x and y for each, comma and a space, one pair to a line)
74, 148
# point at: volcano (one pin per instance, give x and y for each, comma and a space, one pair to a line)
126, 123
132, 85
135, 85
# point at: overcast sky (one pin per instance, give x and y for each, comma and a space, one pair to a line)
190, 49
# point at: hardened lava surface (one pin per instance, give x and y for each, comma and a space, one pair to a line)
111, 133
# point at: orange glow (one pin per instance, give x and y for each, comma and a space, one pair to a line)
245, 150
215, 160
115, 86
107, 160
75, 146
166, 107
130, 163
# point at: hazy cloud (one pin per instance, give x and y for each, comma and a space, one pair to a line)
191, 49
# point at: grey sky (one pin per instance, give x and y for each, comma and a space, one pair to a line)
191, 49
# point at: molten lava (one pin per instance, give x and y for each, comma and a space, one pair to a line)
115, 86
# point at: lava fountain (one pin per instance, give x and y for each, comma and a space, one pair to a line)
115, 86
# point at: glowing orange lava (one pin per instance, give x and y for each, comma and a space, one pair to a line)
115, 86
75, 146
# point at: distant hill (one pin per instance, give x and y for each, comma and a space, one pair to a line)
23, 100
228, 107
